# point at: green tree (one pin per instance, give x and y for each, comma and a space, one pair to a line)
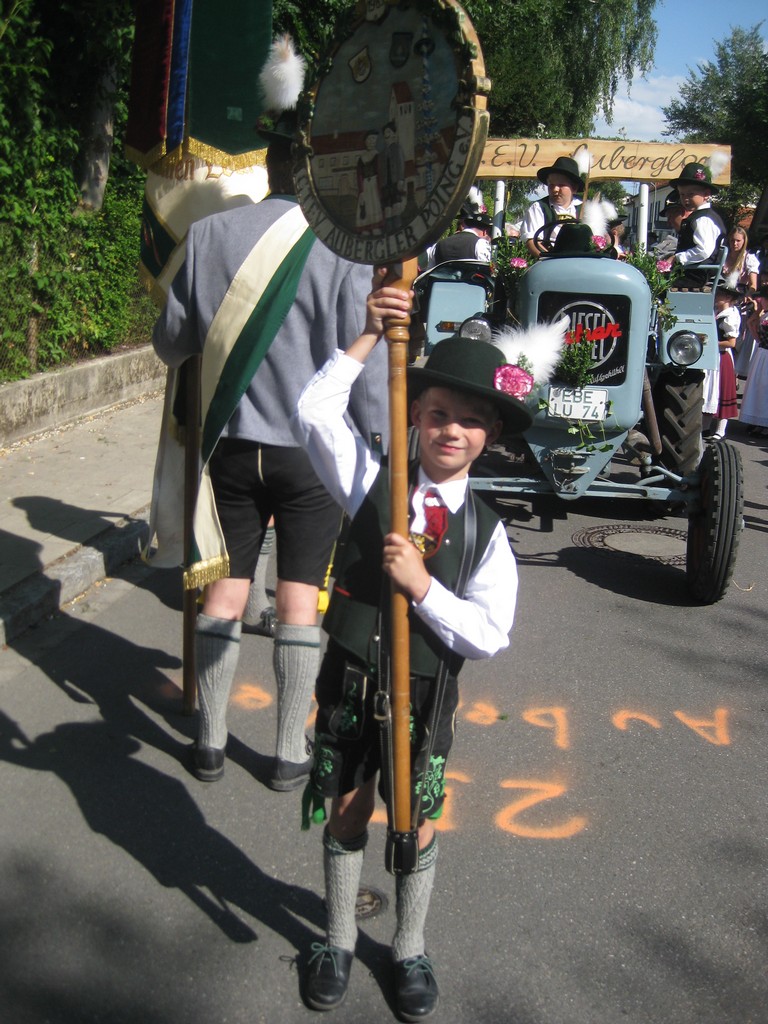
725, 102
555, 64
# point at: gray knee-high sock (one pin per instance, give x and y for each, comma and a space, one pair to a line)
343, 863
296, 660
257, 593
217, 646
413, 894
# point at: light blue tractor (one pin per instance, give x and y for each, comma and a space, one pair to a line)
640, 411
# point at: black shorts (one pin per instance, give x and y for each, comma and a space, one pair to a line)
253, 482
348, 736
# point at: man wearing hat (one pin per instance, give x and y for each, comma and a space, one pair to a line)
702, 230
674, 215
473, 239
460, 576
563, 181
265, 304
616, 232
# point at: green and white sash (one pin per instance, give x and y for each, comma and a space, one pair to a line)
240, 334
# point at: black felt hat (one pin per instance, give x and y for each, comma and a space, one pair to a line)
471, 366
730, 290
671, 202
574, 240
475, 218
563, 165
696, 174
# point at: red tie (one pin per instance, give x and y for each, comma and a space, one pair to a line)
436, 516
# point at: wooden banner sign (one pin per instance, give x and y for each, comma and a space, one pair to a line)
656, 162
391, 135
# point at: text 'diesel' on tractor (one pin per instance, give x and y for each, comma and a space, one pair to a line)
621, 416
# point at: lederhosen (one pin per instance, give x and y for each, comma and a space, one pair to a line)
347, 750
693, 278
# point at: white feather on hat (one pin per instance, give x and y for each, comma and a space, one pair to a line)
718, 162
583, 160
540, 347
596, 213
282, 77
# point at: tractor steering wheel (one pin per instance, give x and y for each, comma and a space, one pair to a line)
543, 240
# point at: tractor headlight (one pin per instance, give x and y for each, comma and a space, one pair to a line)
475, 328
685, 348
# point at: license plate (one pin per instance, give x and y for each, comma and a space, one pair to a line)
588, 404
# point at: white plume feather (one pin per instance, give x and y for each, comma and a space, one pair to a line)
475, 198
282, 77
583, 160
596, 213
541, 345
718, 162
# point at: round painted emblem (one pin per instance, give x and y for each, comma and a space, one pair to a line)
392, 132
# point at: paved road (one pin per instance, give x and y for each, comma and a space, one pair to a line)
603, 853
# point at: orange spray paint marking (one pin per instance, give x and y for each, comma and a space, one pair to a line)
551, 718
251, 697
713, 730
622, 719
482, 714
507, 821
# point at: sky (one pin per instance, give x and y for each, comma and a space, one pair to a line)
687, 33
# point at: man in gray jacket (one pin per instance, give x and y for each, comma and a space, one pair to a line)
266, 304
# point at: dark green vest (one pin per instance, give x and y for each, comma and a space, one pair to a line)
353, 614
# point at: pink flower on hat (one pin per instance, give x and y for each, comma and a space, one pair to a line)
512, 380
699, 174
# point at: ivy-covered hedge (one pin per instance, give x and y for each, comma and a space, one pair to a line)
69, 285
78, 294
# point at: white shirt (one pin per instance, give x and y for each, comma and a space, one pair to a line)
731, 318
534, 218
475, 626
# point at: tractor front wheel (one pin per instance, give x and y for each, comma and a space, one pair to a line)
715, 524
678, 401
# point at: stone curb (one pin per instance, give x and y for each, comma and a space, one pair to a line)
43, 593
59, 397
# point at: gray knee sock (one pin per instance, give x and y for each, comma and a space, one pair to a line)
413, 894
217, 646
296, 660
343, 863
258, 599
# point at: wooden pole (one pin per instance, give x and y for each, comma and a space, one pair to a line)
191, 477
401, 276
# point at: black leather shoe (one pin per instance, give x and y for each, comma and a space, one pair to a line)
288, 775
416, 992
327, 976
207, 763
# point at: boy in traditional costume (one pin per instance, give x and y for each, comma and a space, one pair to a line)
702, 230
460, 576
